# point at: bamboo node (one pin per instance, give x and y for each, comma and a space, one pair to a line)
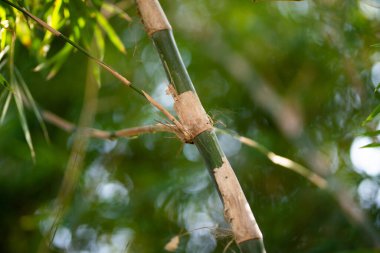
152, 16
191, 113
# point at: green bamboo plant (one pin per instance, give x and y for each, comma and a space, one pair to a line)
193, 126
197, 128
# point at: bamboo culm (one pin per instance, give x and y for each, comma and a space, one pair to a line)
236, 208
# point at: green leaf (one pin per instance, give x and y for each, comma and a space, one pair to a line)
30, 100
99, 41
377, 89
5, 106
372, 133
24, 124
55, 20
56, 61
4, 51
110, 33
4, 82
112, 9
372, 145
373, 114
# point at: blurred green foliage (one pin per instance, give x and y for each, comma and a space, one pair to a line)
298, 77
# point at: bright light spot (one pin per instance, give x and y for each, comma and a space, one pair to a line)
369, 10
230, 145
5, 24
293, 8
369, 193
196, 182
109, 145
191, 153
375, 74
84, 231
365, 160
120, 239
45, 49
95, 174
114, 243
111, 190
200, 224
161, 97
62, 238
45, 224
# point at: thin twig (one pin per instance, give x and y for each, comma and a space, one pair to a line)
181, 128
280, 160
81, 49
107, 135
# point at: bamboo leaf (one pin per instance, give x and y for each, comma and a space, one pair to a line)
3, 52
4, 25
373, 114
372, 133
5, 107
54, 70
23, 31
4, 82
3, 37
24, 124
57, 61
54, 20
372, 145
377, 89
99, 38
5, 94
114, 38
28, 96
112, 9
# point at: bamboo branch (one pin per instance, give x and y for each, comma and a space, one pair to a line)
197, 123
149, 129
107, 135
314, 178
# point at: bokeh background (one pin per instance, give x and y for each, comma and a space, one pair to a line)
298, 77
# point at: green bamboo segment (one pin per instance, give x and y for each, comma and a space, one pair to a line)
170, 56
209, 148
252, 246
246, 231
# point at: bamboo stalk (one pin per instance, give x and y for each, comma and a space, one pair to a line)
196, 122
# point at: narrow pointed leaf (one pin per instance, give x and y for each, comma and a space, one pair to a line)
24, 124
57, 61
372, 133
4, 51
114, 38
372, 145
377, 89
373, 114
32, 103
112, 9
5, 107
